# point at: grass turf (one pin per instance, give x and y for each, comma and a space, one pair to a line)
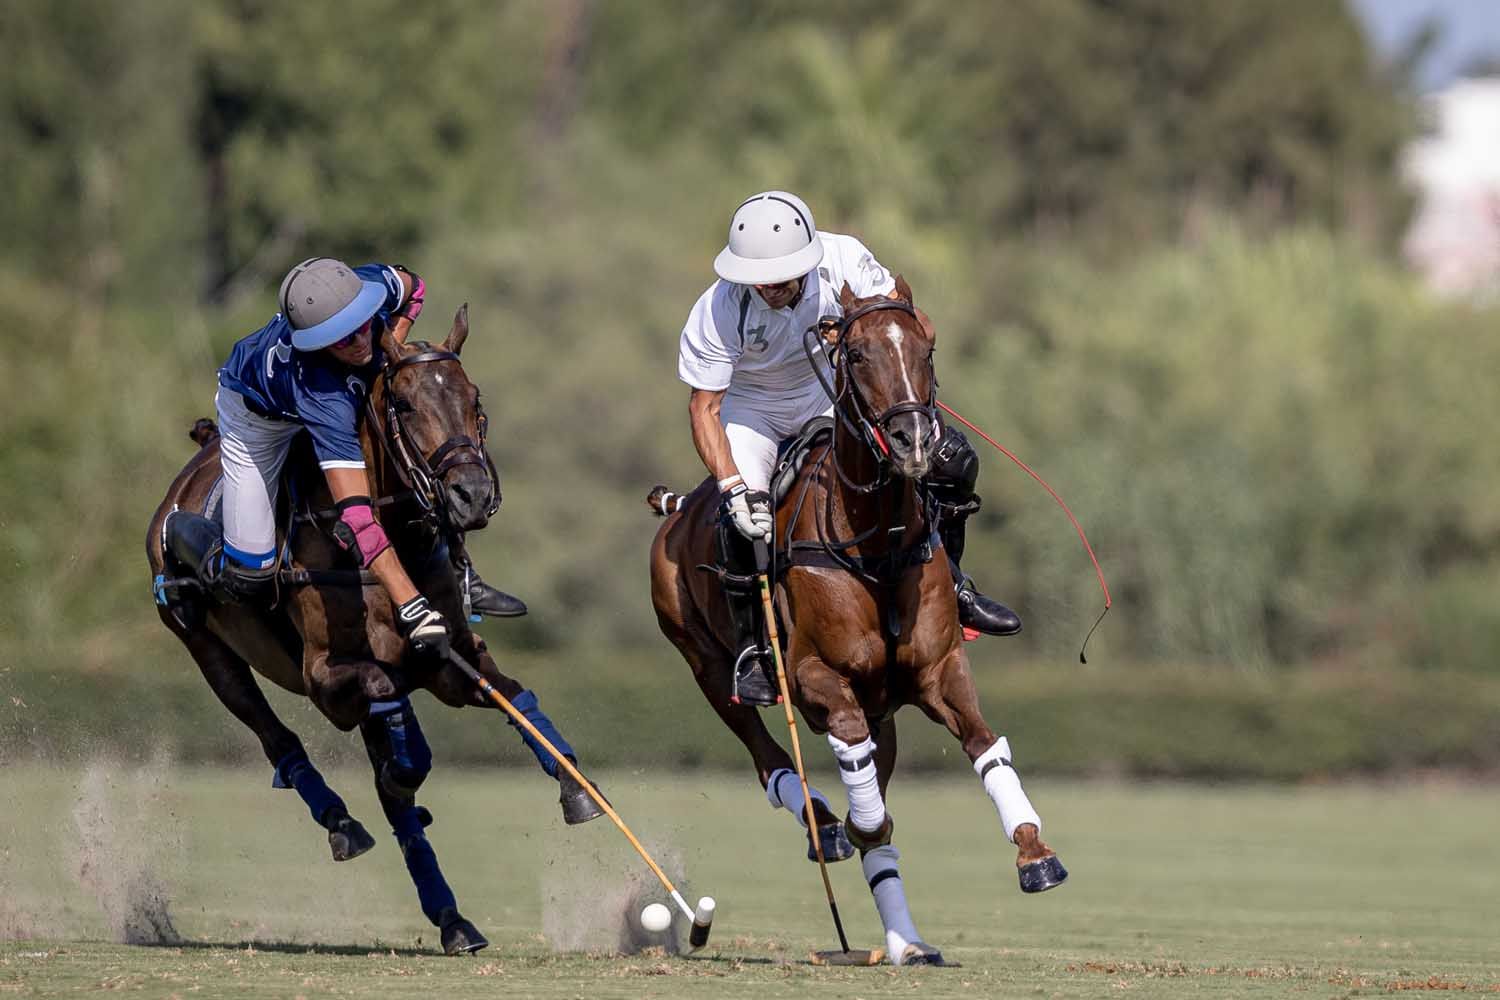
1336, 890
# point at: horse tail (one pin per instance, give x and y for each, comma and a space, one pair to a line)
204, 430
663, 501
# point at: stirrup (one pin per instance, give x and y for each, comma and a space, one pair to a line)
750, 685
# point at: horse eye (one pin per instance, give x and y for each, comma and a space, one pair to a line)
855, 355
402, 406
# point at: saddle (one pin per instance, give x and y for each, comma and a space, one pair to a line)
791, 456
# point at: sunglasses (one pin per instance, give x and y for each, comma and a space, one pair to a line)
355, 335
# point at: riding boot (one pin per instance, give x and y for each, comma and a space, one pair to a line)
751, 681
975, 610
752, 673
196, 543
480, 597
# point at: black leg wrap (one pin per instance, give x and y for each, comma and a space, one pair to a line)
398, 750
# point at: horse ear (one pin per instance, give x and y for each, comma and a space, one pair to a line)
903, 291
460, 331
846, 297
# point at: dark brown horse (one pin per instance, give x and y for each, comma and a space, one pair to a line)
330, 635
867, 604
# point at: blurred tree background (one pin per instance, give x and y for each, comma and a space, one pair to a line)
1158, 240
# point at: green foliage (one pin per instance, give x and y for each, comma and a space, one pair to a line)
1153, 235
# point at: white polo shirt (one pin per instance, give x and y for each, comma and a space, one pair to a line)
734, 341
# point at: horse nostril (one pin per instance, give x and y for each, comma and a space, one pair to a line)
901, 437
462, 494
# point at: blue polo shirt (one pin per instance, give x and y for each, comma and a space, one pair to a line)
311, 388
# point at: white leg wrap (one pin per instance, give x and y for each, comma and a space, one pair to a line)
784, 791
1004, 788
884, 879
857, 768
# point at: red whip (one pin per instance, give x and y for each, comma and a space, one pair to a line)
1098, 571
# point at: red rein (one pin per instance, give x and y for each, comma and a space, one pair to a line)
1098, 571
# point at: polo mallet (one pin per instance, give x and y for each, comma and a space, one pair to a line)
702, 920
846, 956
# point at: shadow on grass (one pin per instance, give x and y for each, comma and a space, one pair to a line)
297, 948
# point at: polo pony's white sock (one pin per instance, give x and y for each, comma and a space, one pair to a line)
784, 791
1004, 788
881, 872
857, 768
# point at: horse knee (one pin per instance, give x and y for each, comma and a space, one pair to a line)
397, 748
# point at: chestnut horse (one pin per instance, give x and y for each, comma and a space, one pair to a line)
331, 634
867, 603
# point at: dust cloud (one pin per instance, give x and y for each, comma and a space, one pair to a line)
124, 844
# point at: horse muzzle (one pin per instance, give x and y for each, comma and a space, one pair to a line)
911, 438
471, 497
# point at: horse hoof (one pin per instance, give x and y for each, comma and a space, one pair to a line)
921, 954
459, 936
1039, 876
578, 806
836, 845
349, 839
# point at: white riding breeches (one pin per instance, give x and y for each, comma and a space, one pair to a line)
756, 425
252, 450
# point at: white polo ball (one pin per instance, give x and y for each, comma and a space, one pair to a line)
656, 918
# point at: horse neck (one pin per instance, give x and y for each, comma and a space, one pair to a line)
892, 505
384, 479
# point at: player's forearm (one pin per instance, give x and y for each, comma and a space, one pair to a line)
708, 433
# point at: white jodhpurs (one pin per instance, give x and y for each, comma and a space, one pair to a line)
252, 450
756, 424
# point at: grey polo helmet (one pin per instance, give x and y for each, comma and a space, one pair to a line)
325, 301
772, 238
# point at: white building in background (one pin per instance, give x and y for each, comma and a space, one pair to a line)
1454, 239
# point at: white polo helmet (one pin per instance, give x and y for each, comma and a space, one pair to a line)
772, 238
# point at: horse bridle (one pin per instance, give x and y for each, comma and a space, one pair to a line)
872, 430
423, 474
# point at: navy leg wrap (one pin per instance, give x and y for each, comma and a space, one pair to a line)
406, 757
421, 863
526, 704
296, 771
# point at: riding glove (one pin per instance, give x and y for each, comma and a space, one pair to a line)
750, 511
424, 628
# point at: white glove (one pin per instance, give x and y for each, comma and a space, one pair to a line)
423, 627
750, 512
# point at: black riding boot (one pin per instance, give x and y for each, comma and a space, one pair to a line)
752, 670
753, 683
482, 599
950, 483
975, 611
196, 544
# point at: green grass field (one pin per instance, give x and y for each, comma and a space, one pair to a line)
1176, 890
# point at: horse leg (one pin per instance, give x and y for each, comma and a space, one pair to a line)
881, 864
401, 759
774, 768
231, 680
948, 697
453, 687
